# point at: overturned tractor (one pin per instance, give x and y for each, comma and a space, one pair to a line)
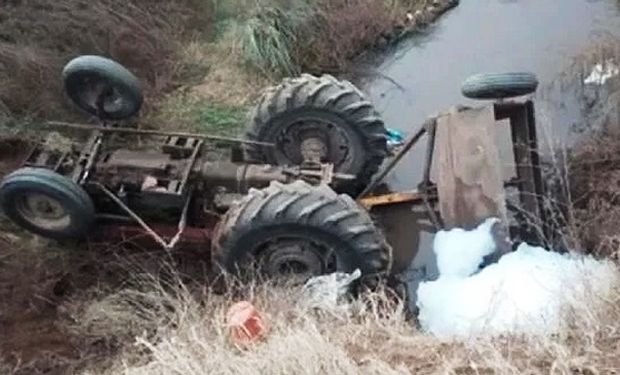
295, 195
268, 204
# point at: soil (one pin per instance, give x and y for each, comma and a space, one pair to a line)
30, 293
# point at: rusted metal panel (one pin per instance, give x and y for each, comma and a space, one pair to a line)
469, 182
527, 167
403, 226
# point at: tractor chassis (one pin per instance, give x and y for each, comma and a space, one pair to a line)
174, 179
128, 185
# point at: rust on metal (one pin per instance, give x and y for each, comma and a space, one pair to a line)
118, 130
469, 181
412, 141
392, 198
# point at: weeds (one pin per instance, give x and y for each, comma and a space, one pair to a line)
245, 38
38, 37
188, 335
220, 119
345, 28
284, 38
194, 114
268, 41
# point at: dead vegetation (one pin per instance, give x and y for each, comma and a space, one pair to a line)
586, 175
171, 328
232, 47
38, 37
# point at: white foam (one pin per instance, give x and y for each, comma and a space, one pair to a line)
526, 292
601, 73
473, 247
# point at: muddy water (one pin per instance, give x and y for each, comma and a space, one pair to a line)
540, 36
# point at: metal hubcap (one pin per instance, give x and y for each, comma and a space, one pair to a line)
42, 211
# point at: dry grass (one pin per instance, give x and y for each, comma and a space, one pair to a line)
226, 82
220, 52
182, 331
279, 38
596, 204
586, 174
38, 37
346, 28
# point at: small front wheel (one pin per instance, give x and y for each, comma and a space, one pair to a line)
499, 85
46, 203
102, 87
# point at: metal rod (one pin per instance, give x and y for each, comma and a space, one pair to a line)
60, 161
83, 159
168, 246
91, 159
426, 180
133, 215
182, 224
396, 159
105, 129
190, 166
338, 176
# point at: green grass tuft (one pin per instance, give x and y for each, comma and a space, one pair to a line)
268, 40
268, 32
220, 119
186, 112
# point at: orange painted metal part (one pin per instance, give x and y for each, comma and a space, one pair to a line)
392, 198
245, 324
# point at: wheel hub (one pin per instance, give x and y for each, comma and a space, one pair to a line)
314, 140
287, 257
313, 150
43, 211
100, 95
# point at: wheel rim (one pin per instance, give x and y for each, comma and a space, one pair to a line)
314, 139
94, 89
42, 211
295, 256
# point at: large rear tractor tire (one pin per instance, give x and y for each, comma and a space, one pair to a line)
46, 203
320, 115
299, 229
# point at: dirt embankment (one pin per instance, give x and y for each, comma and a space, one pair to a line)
37, 38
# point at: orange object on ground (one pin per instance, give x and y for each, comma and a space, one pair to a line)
245, 323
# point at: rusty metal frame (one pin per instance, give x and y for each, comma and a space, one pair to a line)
166, 245
525, 149
118, 130
527, 159
523, 130
190, 166
425, 192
